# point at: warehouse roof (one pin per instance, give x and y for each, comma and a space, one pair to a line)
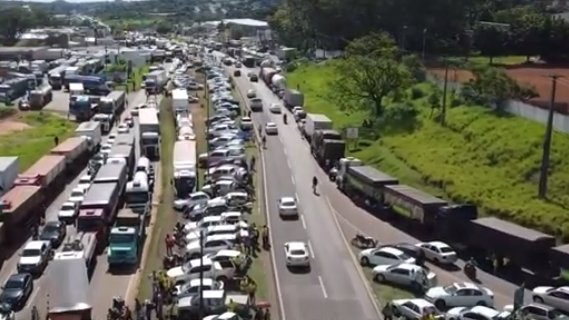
247, 22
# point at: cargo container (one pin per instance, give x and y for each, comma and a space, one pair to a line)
75, 150
316, 122
47, 172
92, 131
40, 97
20, 208
293, 98
9, 167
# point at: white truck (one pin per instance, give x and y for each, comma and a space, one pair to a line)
185, 167
68, 288
149, 130
180, 101
8, 173
155, 81
315, 121
278, 83
92, 131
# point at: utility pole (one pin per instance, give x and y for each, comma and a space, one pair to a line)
444, 104
424, 44
201, 307
542, 192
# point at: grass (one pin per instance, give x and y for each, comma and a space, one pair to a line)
33, 143
166, 217
480, 157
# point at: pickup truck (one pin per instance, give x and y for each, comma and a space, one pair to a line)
126, 238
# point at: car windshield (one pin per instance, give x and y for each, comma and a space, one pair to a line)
288, 203
76, 193
446, 249
85, 180
120, 238
13, 284
31, 253
404, 256
67, 207
297, 252
50, 228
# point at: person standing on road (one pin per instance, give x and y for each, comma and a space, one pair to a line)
169, 244
387, 311
265, 235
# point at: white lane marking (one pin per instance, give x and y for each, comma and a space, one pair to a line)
311, 250
286, 154
370, 293
297, 197
273, 258
292, 180
323, 287
303, 222
288, 163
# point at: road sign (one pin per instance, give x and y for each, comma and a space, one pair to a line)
352, 133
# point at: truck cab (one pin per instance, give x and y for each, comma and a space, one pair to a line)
92, 220
105, 120
343, 165
151, 144
126, 238
184, 182
137, 194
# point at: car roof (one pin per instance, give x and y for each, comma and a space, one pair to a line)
296, 245
211, 218
198, 193
77, 189
68, 203
421, 303
271, 124
439, 244
231, 213
288, 199
391, 250
407, 266
539, 305
197, 282
196, 262
34, 244
228, 253
215, 237
485, 311
222, 227
17, 276
213, 294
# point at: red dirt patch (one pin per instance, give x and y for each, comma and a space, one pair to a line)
536, 77
9, 126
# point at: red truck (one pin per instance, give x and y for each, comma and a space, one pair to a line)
47, 173
19, 209
76, 153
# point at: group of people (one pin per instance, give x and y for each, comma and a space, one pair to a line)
390, 313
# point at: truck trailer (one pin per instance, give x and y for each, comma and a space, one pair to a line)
293, 98
185, 167
82, 244
9, 167
149, 130
47, 173
180, 101
20, 209
316, 122
92, 131
76, 153
68, 289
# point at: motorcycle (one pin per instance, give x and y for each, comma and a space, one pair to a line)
363, 242
470, 270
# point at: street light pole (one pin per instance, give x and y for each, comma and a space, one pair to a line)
542, 192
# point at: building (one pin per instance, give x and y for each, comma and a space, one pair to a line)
237, 28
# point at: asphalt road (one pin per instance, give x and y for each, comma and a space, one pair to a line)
320, 213
334, 288
103, 285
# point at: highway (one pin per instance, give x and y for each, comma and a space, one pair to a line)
334, 288
103, 285
288, 161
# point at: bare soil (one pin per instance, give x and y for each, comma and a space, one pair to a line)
9, 126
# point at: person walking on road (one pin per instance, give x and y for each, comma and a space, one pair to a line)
387, 311
169, 244
265, 235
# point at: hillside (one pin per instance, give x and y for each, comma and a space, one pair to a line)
478, 157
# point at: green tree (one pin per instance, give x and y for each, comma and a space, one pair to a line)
164, 27
491, 39
13, 22
369, 73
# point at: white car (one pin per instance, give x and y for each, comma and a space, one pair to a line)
224, 316
460, 295
210, 244
221, 229
35, 257
476, 313
275, 108
251, 94
68, 212
538, 311
112, 137
438, 252
287, 207
85, 182
296, 254
406, 275
384, 256
77, 195
555, 297
271, 128
106, 148
246, 123
194, 199
123, 128
193, 287
413, 308
191, 270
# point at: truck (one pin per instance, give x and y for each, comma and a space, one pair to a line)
327, 147
40, 97
126, 238
363, 184
92, 84
278, 83
138, 192
76, 152
185, 167
20, 209
125, 139
413, 203
47, 173
55, 77
180, 101
98, 210
82, 244
92, 131
112, 172
293, 98
68, 289
155, 81
266, 74
149, 130
315, 121
113, 104
126, 152
9, 167
81, 108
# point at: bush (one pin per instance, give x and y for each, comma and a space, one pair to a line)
6, 112
417, 93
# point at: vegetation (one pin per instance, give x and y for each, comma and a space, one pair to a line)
480, 156
34, 142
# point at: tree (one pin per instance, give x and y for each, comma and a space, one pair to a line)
164, 27
490, 39
13, 22
369, 73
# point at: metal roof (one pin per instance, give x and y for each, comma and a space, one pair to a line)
512, 229
6, 162
373, 174
414, 194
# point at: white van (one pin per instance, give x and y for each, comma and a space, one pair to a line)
143, 165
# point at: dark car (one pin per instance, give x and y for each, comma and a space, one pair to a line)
17, 290
408, 248
254, 78
237, 73
54, 231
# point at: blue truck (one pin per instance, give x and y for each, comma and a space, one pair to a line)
126, 238
92, 84
80, 107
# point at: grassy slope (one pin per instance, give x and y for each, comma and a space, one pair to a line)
33, 143
480, 157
